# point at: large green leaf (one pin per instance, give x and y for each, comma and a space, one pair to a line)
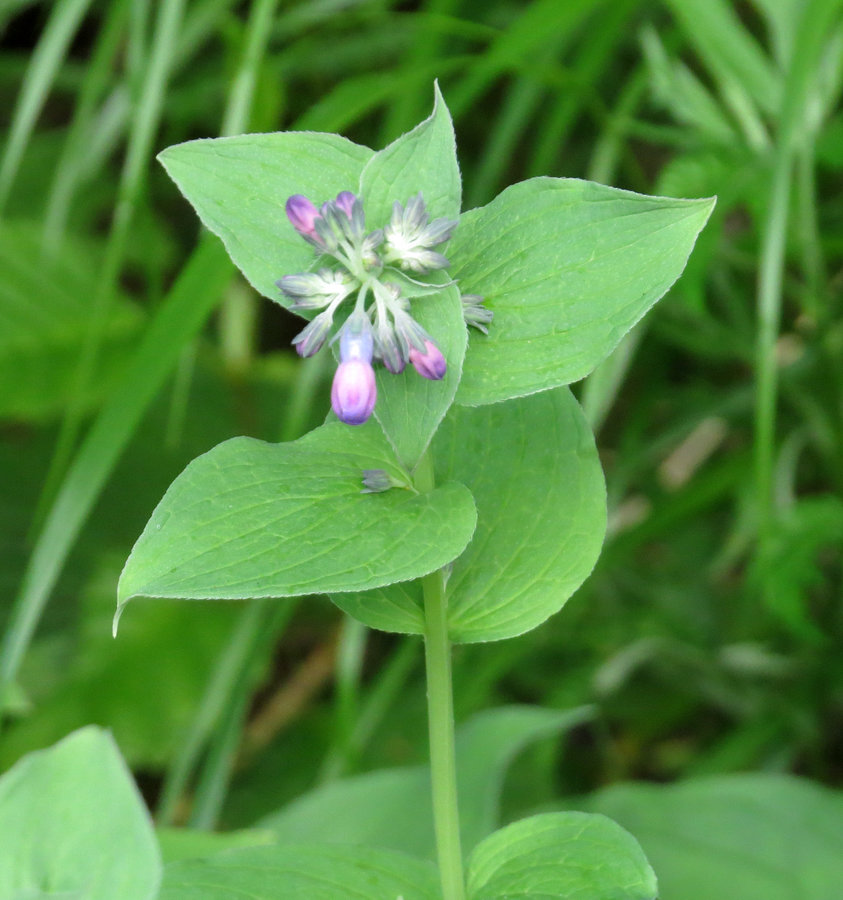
239, 185
424, 159
45, 315
73, 825
391, 807
250, 519
561, 856
302, 872
568, 267
409, 406
736, 837
535, 475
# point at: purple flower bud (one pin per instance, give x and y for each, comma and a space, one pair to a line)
302, 214
354, 391
345, 201
430, 364
313, 336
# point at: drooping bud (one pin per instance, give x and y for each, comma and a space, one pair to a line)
302, 215
430, 364
475, 313
354, 391
311, 338
376, 481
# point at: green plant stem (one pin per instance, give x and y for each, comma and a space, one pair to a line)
440, 715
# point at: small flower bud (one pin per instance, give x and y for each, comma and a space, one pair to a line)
376, 481
354, 391
313, 336
345, 201
475, 313
430, 364
302, 215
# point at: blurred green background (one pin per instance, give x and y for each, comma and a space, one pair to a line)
710, 635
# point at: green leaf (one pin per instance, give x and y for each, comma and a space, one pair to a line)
391, 807
45, 315
410, 407
239, 185
302, 872
535, 475
74, 824
567, 856
735, 837
250, 519
568, 267
188, 843
424, 159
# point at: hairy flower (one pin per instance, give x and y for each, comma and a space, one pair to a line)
410, 236
363, 265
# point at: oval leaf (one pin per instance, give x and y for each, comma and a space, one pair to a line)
567, 267
391, 807
535, 475
424, 159
302, 872
73, 825
239, 185
250, 519
757, 836
561, 856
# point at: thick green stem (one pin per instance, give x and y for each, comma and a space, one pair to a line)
440, 714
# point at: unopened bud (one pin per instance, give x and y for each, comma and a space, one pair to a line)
354, 391
430, 364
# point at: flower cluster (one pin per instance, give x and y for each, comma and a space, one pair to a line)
365, 267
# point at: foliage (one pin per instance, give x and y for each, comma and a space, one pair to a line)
709, 634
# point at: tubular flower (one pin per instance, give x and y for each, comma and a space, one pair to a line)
367, 265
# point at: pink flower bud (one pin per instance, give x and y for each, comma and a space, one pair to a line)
302, 214
354, 391
430, 364
345, 201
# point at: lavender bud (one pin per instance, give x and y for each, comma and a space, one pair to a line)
430, 364
302, 214
345, 201
313, 336
354, 391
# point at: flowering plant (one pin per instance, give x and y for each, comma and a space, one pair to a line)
465, 505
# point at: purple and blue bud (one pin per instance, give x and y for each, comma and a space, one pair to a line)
430, 364
354, 391
303, 216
